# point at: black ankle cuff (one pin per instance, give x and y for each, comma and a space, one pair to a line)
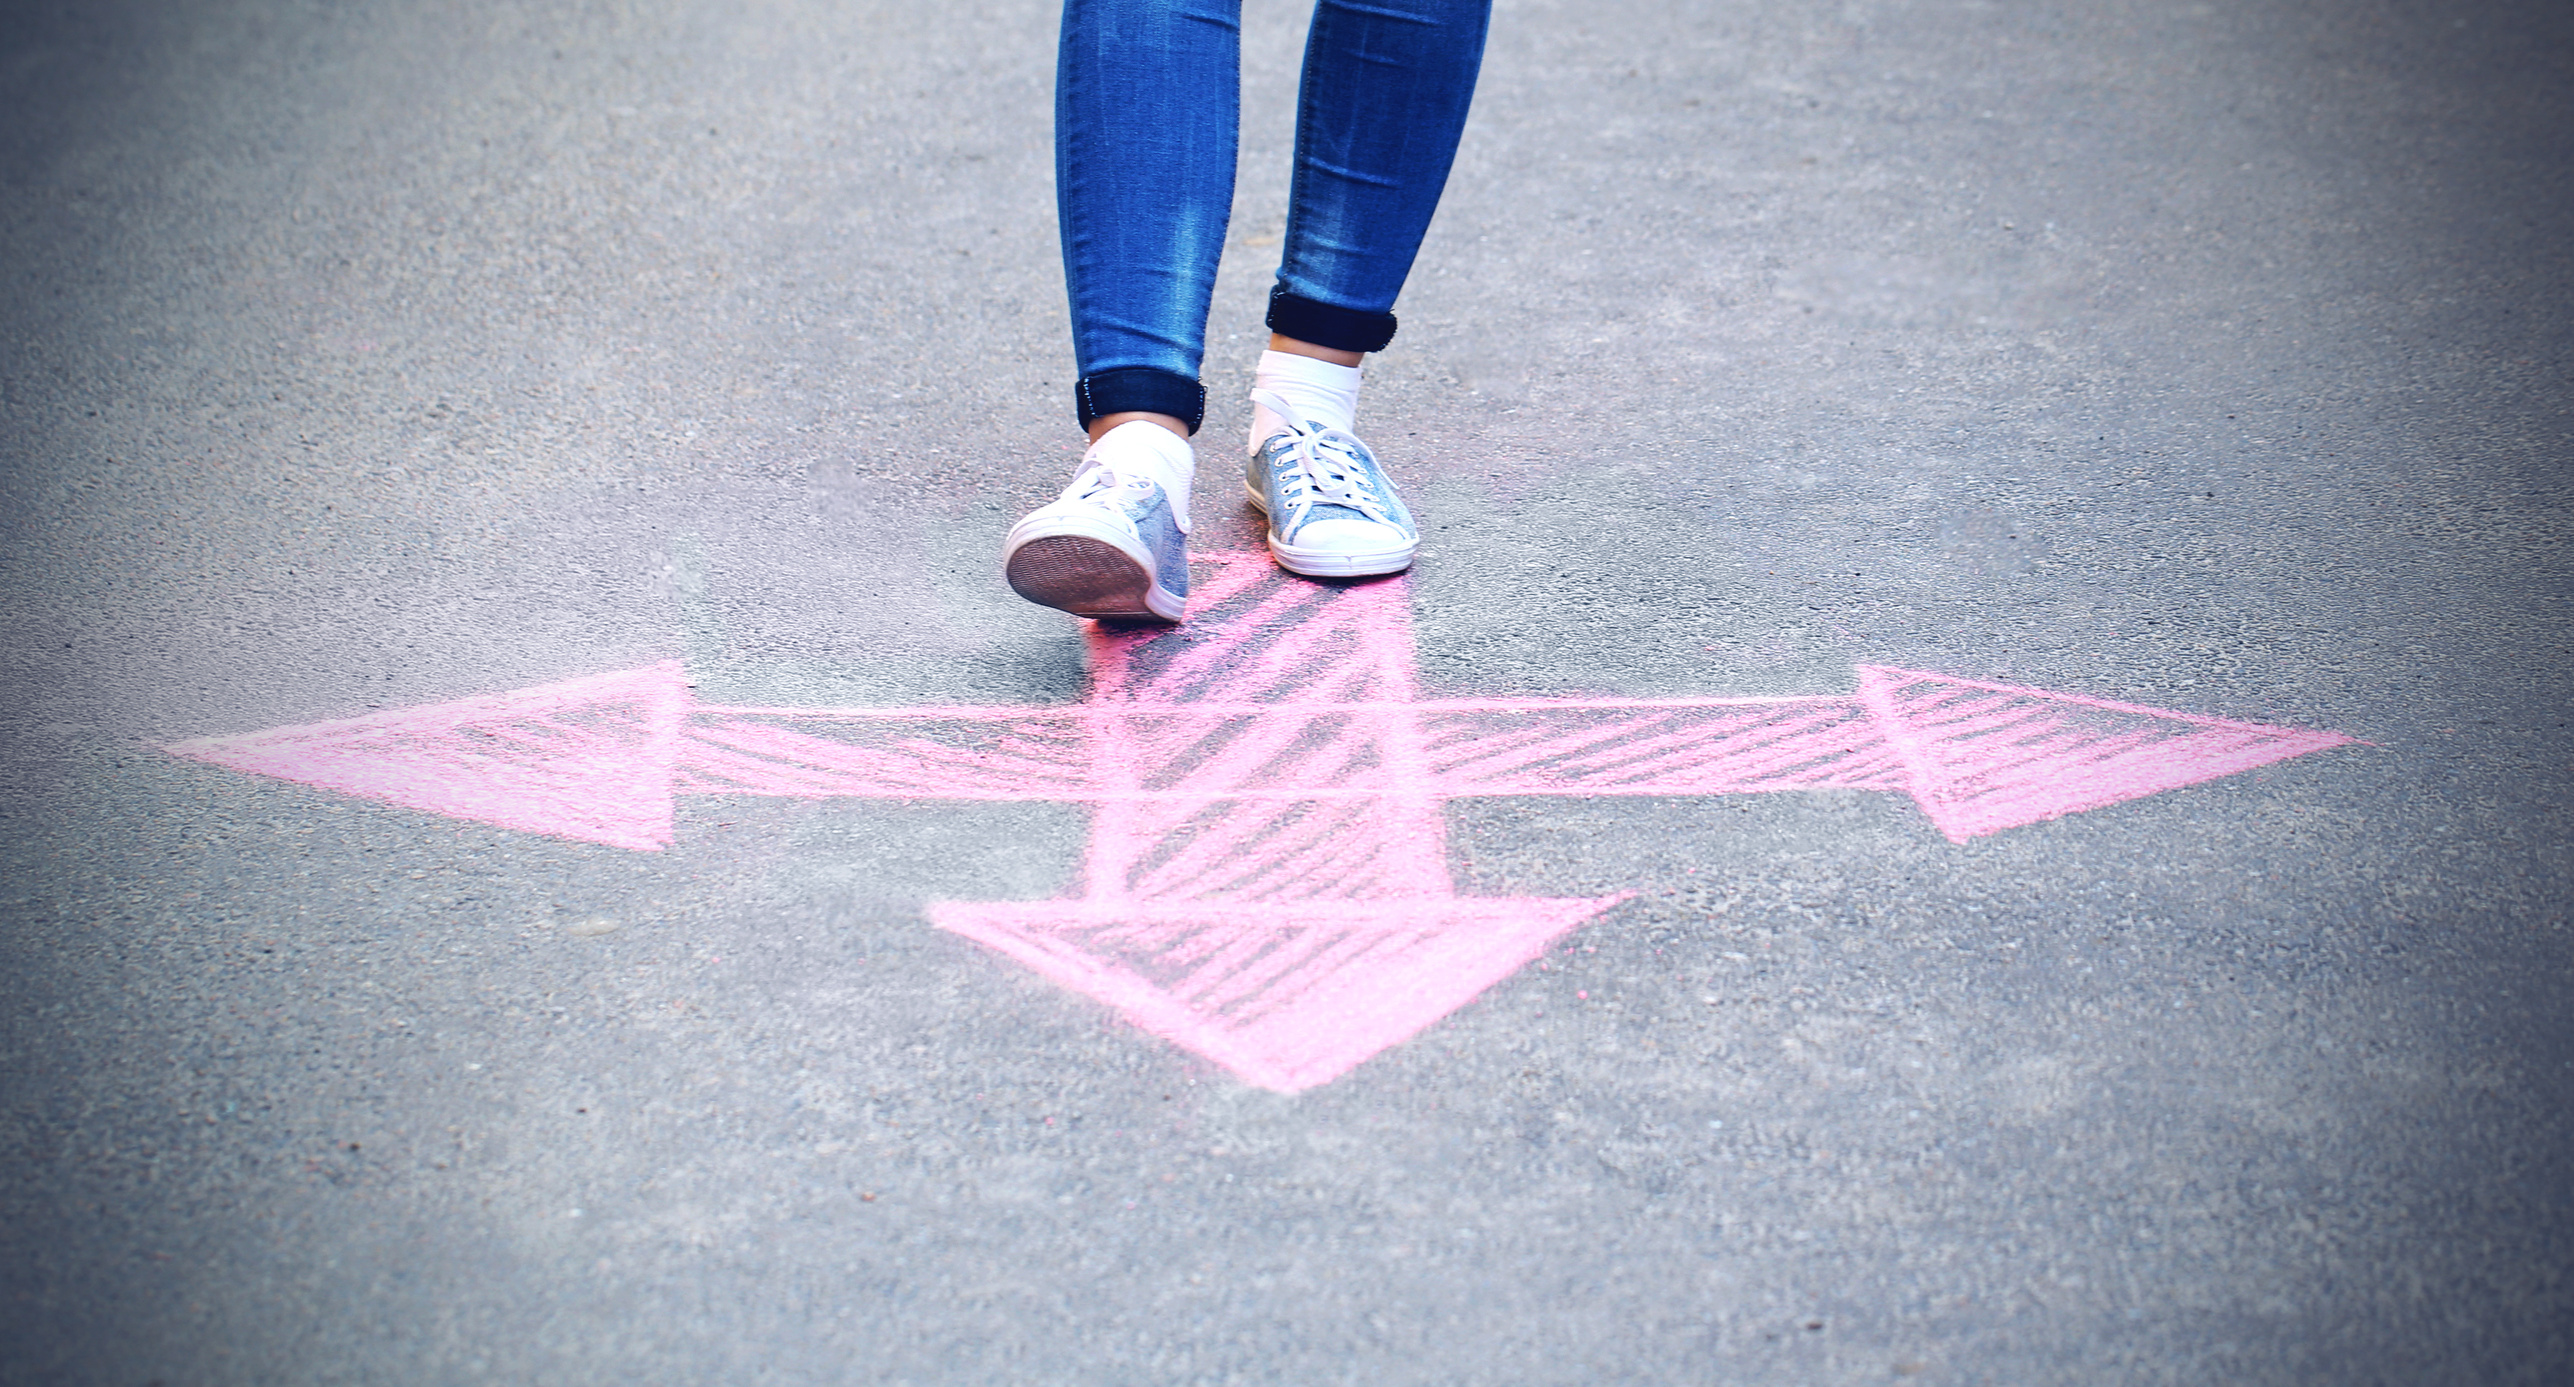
1328, 325
1139, 390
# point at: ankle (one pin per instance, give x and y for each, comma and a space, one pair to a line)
1317, 391
1280, 342
1100, 426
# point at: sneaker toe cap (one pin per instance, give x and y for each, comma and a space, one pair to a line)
1335, 535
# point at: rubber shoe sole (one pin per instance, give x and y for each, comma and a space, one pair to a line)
1332, 563
1085, 570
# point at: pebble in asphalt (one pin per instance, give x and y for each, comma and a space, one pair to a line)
2205, 357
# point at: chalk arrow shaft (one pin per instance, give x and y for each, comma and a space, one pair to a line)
1573, 748
1299, 751
1030, 755
1345, 810
601, 758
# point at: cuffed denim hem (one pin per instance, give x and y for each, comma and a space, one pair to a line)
1328, 325
1140, 390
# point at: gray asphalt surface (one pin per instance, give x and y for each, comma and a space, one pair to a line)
2209, 357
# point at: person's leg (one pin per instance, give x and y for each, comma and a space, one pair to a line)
1147, 100
1386, 87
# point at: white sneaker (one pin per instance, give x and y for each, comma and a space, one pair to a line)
1115, 545
1332, 511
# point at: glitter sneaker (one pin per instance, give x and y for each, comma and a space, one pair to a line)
1114, 546
1332, 511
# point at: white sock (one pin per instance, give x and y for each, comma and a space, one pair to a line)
1136, 448
1322, 392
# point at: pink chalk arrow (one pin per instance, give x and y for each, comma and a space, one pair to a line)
1266, 882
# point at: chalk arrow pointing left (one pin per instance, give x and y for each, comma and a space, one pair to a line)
1267, 877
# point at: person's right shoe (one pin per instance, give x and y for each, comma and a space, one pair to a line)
1114, 546
1332, 511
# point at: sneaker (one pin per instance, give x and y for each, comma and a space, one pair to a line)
1332, 511
1113, 547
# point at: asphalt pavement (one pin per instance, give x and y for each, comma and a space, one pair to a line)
2181, 389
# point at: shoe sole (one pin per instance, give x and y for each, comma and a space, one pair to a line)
1331, 563
1086, 574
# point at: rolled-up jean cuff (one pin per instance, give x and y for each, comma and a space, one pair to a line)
1328, 325
1139, 390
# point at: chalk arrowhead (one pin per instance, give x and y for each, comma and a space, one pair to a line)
1287, 995
1982, 757
587, 758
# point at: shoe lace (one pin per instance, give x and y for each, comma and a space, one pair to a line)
1325, 469
1093, 484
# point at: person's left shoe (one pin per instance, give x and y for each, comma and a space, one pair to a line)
1333, 512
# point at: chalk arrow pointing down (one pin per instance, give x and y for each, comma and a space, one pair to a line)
1266, 882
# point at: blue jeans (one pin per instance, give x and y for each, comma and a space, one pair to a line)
1147, 98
